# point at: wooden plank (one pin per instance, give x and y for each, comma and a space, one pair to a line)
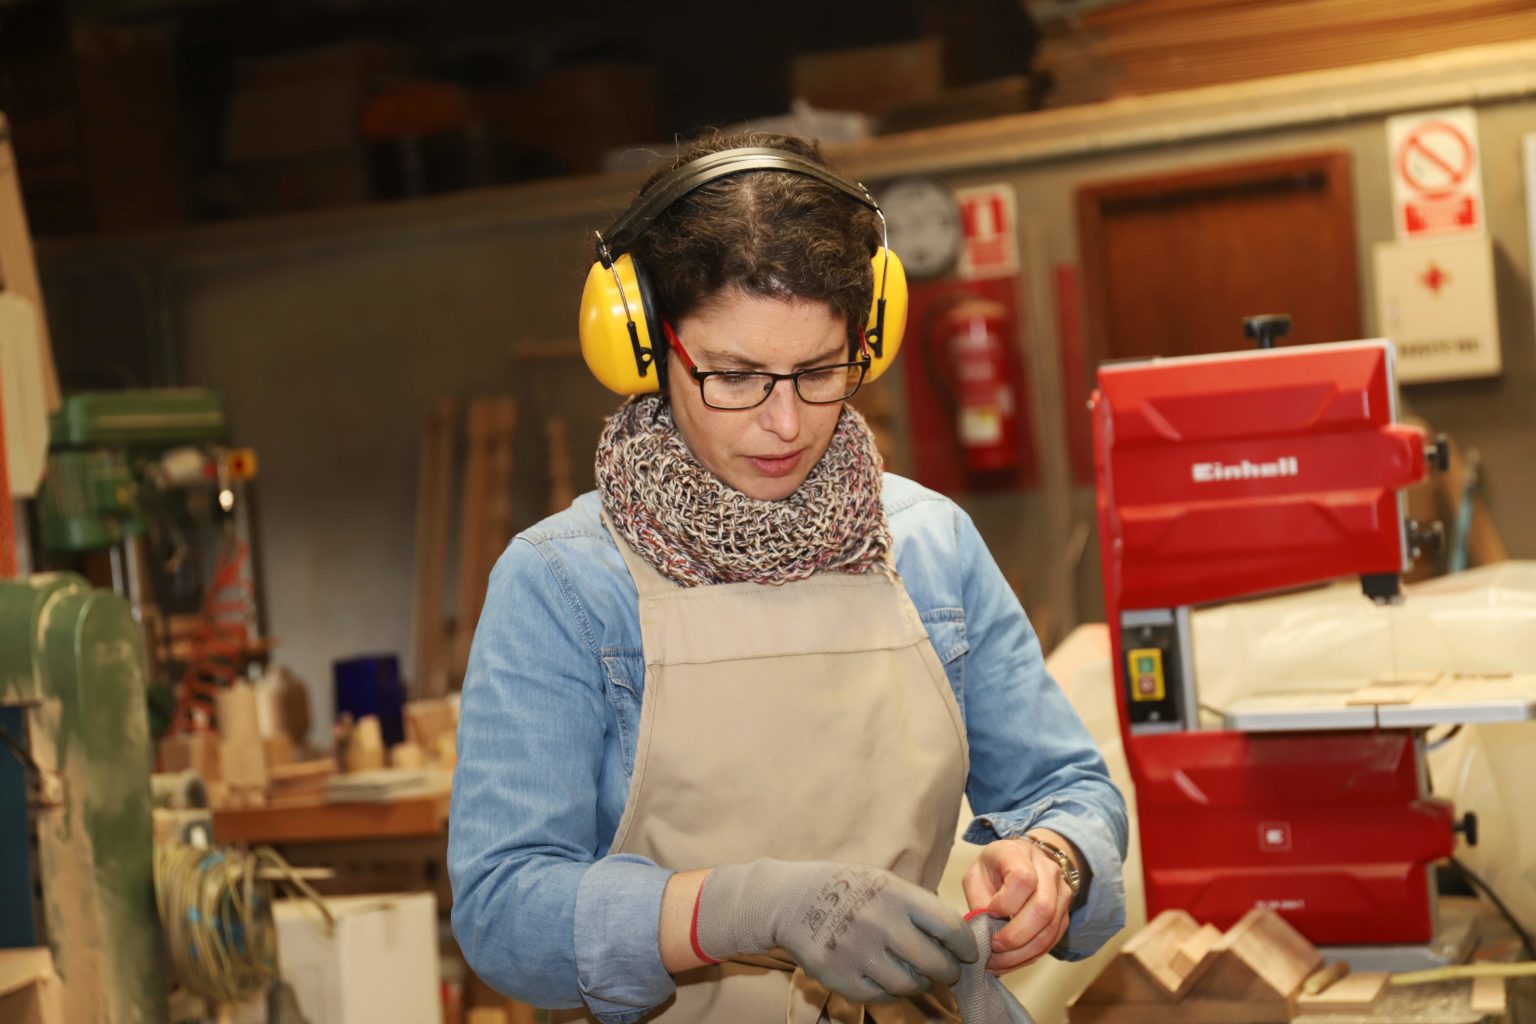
1489, 996
471, 527
410, 816
561, 491
434, 483
486, 518
1163, 45
1357, 994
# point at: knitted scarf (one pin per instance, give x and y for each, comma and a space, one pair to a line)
695, 529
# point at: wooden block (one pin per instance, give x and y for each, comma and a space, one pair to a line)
278, 750
301, 771
485, 1015
191, 751
365, 748
1356, 993
1123, 983
1154, 947
229, 796
1320, 980
1489, 997
447, 752
427, 720
1195, 949
300, 783
236, 708
242, 762
1142, 972
1266, 948
406, 755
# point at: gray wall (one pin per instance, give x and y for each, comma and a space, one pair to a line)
331, 335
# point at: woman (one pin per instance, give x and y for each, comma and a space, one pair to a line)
720, 713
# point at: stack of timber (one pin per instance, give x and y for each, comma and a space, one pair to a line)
1147, 46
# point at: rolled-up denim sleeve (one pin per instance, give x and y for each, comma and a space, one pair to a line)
538, 915
1033, 762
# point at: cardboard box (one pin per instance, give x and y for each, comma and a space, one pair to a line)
379, 966
304, 104
30, 991
871, 79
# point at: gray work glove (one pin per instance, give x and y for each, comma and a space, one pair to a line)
982, 997
861, 931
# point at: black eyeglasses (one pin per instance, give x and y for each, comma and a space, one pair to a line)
731, 390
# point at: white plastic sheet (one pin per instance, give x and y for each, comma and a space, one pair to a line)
1479, 621
1329, 638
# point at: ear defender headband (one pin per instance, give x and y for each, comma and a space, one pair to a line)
621, 335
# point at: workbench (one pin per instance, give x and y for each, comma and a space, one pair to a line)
406, 817
397, 845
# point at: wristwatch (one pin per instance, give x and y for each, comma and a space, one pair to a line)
1068, 869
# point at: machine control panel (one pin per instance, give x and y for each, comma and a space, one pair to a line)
1144, 669
1151, 662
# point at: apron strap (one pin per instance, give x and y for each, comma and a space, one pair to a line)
647, 580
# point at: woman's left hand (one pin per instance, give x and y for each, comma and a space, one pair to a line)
1019, 881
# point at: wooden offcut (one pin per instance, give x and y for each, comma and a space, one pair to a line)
1176, 970
1357, 993
1489, 996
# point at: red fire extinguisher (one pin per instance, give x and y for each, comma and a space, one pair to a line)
972, 344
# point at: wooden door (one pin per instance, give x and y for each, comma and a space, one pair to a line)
1172, 264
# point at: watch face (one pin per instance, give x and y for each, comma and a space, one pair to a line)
924, 224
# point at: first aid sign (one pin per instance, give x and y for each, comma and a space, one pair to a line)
1437, 176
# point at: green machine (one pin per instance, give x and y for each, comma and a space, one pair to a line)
107, 462
145, 477
76, 829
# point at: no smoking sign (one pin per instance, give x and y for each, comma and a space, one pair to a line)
1437, 189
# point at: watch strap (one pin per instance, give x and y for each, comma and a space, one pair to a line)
1069, 872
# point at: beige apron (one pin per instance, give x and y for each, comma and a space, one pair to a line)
809, 721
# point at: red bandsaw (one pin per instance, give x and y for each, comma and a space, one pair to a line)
1231, 475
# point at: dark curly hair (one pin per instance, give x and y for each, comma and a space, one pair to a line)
771, 233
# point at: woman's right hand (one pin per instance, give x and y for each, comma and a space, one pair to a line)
861, 931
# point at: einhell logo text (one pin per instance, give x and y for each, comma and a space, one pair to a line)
1211, 472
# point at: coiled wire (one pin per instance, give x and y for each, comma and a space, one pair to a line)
216, 907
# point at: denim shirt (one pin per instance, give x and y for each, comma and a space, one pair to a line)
546, 743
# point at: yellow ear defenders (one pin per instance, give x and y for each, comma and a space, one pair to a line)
621, 336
